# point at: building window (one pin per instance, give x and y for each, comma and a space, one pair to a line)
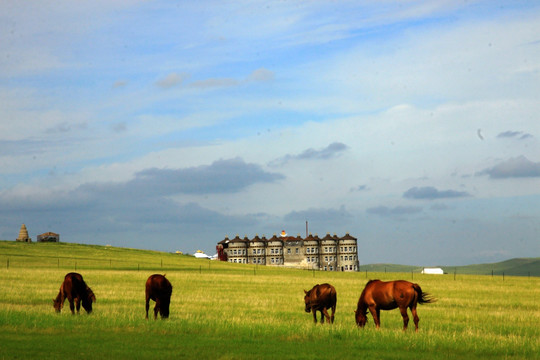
297, 250
288, 250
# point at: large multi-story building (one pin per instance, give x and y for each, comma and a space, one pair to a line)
330, 253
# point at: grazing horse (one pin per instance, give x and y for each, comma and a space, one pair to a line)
320, 298
76, 291
380, 295
159, 289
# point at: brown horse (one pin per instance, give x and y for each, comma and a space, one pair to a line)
380, 295
159, 289
76, 291
320, 298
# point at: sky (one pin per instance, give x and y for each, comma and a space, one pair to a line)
414, 126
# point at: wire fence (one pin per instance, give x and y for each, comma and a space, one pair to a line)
176, 262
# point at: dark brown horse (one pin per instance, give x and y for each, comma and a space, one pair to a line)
320, 298
380, 295
76, 291
159, 289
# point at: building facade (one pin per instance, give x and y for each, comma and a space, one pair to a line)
48, 237
330, 253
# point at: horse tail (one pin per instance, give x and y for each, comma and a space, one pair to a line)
423, 297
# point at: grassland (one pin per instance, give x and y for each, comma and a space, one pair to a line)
234, 311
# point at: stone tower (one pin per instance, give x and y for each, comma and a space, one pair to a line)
23, 234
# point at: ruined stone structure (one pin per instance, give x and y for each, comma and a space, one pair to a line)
23, 234
330, 253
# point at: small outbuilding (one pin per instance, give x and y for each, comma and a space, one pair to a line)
48, 237
434, 271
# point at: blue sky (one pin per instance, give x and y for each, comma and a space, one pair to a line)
412, 125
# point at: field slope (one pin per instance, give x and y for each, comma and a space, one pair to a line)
233, 311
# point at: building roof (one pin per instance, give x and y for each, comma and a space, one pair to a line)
348, 237
224, 241
49, 234
237, 239
328, 237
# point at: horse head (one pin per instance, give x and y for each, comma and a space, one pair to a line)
307, 300
361, 317
57, 305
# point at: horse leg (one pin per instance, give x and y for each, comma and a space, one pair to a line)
78, 304
416, 319
333, 311
375, 312
147, 306
156, 309
324, 313
71, 305
405, 317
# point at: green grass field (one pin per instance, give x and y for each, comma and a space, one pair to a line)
233, 311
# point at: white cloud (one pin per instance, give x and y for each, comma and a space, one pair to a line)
171, 80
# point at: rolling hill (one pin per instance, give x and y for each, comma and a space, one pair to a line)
512, 267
